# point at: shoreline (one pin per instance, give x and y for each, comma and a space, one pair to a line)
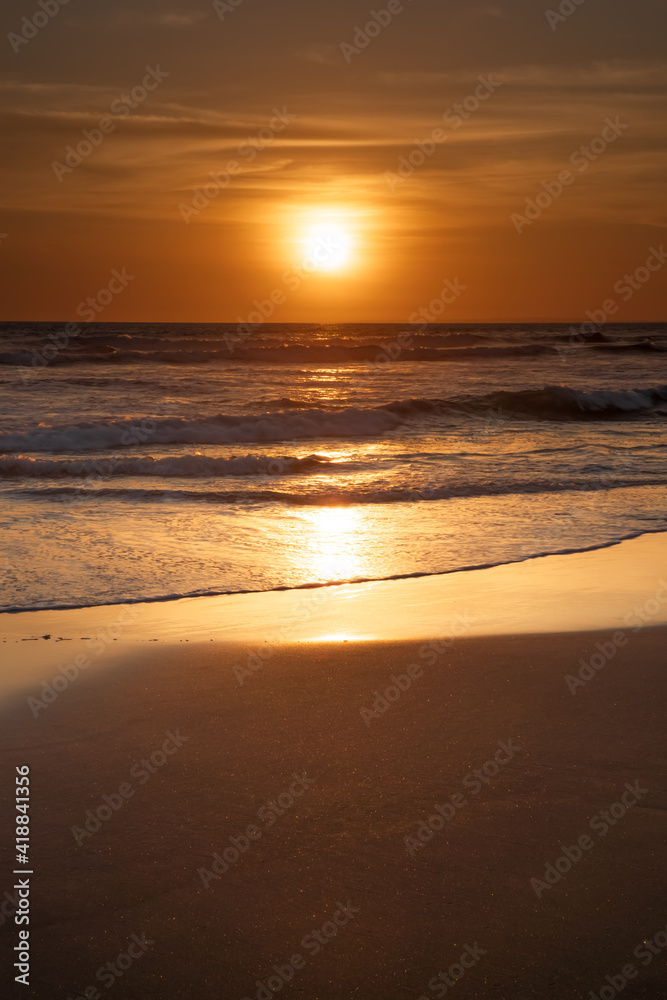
167, 598
617, 591
582, 590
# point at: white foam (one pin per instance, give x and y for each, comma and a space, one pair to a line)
305, 424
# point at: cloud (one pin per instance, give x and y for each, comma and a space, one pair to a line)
162, 18
325, 55
616, 74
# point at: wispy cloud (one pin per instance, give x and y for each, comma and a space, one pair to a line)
163, 18
614, 74
325, 55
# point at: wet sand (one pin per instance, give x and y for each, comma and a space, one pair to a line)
319, 886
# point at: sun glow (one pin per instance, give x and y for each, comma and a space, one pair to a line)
327, 246
332, 542
324, 240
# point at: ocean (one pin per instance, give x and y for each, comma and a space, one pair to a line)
143, 462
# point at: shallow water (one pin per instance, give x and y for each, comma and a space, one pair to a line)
147, 461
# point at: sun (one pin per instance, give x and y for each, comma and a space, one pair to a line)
327, 246
325, 240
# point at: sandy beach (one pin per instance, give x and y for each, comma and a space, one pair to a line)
333, 534
349, 818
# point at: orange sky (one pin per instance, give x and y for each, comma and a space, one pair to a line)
306, 135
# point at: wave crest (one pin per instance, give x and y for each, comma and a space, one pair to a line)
180, 466
551, 403
282, 426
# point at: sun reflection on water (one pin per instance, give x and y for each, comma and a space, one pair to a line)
339, 637
332, 540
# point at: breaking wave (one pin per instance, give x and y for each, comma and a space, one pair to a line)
552, 403
320, 496
348, 423
181, 466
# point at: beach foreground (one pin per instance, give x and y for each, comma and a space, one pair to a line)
216, 829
